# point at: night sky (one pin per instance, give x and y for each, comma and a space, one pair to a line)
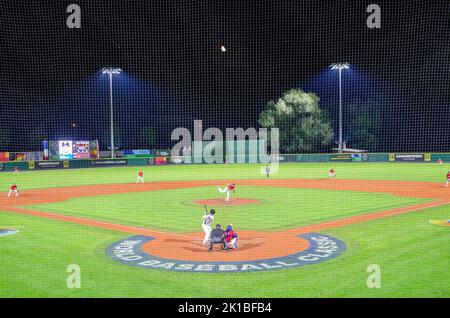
175, 72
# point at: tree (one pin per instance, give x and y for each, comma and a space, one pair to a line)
363, 123
304, 127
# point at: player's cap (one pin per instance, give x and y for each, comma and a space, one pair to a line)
212, 211
218, 226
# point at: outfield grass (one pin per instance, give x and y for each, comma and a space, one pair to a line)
413, 255
369, 171
174, 211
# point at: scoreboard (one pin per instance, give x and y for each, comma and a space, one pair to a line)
68, 149
81, 150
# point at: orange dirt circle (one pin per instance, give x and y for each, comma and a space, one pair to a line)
251, 246
222, 202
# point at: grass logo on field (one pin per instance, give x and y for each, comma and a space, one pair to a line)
5, 232
319, 248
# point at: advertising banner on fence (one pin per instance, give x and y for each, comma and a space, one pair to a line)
48, 164
341, 157
110, 162
158, 161
94, 151
407, 157
360, 157
45, 147
4, 156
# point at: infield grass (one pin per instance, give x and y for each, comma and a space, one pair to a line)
280, 208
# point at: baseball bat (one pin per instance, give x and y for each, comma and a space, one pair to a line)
206, 208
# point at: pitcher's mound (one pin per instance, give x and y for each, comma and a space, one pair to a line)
232, 202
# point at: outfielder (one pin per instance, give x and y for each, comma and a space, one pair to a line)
331, 173
140, 177
227, 189
207, 219
12, 189
267, 171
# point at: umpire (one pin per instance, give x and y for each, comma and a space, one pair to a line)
217, 237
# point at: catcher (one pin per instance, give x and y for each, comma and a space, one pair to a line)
231, 237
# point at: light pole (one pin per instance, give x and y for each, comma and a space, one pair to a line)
340, 67
110, 71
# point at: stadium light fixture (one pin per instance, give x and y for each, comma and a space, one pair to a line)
110, 71
340, 67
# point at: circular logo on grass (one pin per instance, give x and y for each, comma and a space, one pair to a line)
320, 248
5, 232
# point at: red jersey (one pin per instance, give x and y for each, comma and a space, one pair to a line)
230, 235
13, 187
231, 187
140, 174
448, 175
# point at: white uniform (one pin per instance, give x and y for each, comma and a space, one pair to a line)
226, 189
140, 178
232, 243
206, 226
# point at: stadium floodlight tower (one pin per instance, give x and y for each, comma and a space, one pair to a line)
340, 67
110, 71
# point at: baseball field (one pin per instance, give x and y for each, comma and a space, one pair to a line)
300, 234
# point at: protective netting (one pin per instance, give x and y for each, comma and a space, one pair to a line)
223, 62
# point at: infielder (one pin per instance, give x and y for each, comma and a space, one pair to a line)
140, 177
227, 189
12, 189
207, 219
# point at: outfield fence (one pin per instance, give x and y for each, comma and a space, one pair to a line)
167, 160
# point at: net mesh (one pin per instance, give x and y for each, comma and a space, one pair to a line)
223, 62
